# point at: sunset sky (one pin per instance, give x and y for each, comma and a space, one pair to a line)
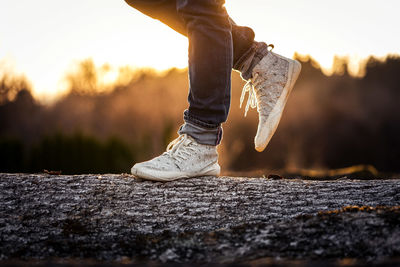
44, 39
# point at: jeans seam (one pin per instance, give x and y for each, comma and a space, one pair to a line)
228, 74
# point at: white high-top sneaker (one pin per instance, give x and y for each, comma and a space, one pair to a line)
272, 81
184, 158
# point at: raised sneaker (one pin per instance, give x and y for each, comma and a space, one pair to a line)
273, 79
184, 158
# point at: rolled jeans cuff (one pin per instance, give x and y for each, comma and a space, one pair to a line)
202, 135
250, 59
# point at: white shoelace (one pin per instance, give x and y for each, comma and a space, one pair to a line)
251, 100
179, 150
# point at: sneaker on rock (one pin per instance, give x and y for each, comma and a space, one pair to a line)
184, 158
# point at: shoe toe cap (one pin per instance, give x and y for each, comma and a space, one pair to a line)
259, 145
138, 167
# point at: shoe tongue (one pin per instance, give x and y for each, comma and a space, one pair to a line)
187, 141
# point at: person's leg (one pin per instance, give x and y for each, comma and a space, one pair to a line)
194, 153
209, 94
162, 10
210, 64
209, 30
270, 77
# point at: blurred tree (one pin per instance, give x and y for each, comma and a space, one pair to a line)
340, 65
84, 80
12, 158
80, 154
10, 85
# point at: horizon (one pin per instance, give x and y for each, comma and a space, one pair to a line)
53, 37
109, 76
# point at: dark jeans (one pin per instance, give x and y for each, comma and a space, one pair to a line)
216, 45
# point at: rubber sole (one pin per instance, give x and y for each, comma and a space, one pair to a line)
163, 176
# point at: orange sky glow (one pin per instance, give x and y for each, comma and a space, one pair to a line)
44, 39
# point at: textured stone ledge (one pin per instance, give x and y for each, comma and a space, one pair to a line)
206, 219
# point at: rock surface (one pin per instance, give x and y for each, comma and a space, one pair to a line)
206, 219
